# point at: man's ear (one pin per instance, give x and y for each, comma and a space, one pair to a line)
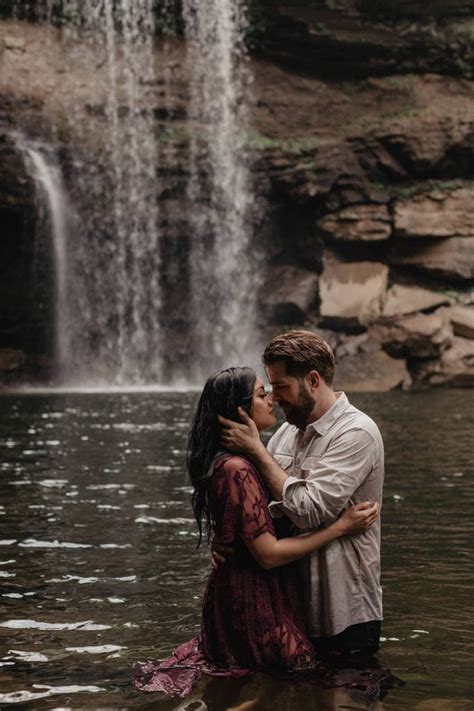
314, 379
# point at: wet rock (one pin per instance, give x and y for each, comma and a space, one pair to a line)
420, 336
455, 368
452, 259
373, 371
336, 39
437, 214
350, 345
462, 320
425, 146
351, 294
402, 299
290, 294
359, 222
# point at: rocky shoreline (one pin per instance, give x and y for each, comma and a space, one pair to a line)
363, 186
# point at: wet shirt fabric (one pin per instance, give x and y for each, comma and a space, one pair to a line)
337, 461
252, 619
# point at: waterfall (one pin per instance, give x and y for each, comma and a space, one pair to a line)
154, 290
114, 261
42, 165
223, 267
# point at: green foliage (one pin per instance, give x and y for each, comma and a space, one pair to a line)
409, 191
258, 141
422, 188
297, 146
301, 145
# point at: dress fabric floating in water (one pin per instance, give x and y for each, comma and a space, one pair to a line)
252, 619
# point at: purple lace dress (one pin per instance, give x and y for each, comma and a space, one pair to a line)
252, 618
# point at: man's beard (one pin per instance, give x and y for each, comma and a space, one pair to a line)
299, 414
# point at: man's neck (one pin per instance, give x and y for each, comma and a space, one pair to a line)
323, 404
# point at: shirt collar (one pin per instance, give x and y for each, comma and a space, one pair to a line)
322, 425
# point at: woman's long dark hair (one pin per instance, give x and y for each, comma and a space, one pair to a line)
223, 393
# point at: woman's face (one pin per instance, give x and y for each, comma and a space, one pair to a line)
262, 407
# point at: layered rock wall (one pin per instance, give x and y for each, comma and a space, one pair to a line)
362, 145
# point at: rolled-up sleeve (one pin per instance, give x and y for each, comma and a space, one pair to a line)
318, 499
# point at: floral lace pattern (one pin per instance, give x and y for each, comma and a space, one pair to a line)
252, 618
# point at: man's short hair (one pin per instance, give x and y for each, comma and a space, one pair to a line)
301, 351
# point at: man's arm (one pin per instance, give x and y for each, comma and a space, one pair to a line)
244, 438
330, 483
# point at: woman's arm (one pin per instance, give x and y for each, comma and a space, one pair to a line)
269, 552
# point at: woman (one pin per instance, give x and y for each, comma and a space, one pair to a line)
252, 617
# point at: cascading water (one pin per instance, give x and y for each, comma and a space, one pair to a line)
223, 269
114, 261
155, 291
43, 166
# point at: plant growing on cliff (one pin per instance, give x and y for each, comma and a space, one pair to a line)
295, 146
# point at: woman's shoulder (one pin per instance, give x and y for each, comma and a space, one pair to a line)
234, 462
235, 466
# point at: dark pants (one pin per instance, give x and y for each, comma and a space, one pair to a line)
355, 646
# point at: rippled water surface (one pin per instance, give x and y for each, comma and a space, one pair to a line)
98, 567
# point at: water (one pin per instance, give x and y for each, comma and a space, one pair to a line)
98, 567
137, 279
224, 267
43, 165
114, 262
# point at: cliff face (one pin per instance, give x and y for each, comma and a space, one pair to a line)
362, 146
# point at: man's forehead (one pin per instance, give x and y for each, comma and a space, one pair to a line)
276, 373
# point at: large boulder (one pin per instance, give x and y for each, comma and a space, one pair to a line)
371, 371
455, 368
289, 294
452, 259
419, 336
402, 299
461, 319
426, 145
351, 294
436, 214
366, 223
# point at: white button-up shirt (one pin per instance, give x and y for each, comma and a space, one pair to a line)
337, 461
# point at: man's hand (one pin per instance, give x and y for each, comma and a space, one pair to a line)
359, 518
238, 437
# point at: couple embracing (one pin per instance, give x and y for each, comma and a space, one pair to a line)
312, 496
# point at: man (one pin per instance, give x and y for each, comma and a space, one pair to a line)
327, 456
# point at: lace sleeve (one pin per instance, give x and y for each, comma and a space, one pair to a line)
245, 502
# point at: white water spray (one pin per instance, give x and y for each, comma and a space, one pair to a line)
223, 271
128, 319
43, 166
115, 261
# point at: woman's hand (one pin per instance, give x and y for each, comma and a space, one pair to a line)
358, 518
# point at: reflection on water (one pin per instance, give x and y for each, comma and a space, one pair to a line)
98, 566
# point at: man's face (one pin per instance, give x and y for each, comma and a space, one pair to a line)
292, 394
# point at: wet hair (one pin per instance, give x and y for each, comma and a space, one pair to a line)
301, 351
223, 393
